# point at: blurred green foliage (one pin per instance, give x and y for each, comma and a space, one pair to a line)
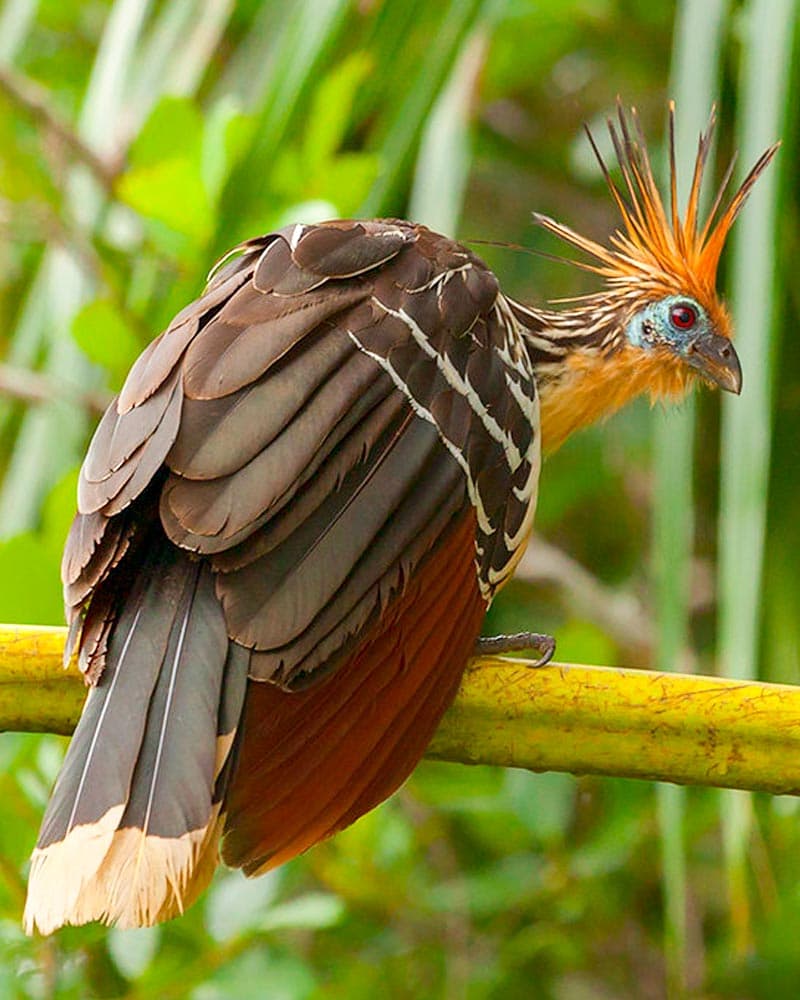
138, 142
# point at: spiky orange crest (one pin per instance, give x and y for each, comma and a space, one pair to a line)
660, 254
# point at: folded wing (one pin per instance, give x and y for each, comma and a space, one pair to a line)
345, 404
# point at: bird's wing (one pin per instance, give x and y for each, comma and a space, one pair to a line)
311, 425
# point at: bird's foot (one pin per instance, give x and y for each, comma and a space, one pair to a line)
544, 645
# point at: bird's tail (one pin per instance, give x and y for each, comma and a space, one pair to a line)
131, 832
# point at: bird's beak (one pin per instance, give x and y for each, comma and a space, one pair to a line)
715, 359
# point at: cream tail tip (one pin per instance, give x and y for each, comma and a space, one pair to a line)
133, 880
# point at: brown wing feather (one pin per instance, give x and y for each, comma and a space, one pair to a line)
252, 333
303, 600
219, 436
159, 358
117, 486
222, 508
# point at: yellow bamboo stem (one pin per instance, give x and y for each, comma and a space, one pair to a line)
580, 719
37, 695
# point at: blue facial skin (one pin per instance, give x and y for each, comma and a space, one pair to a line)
653, 326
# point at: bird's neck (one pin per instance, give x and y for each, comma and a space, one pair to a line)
586, 369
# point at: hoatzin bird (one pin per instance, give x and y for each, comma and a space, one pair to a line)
293, 518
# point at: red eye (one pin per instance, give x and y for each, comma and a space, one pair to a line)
683, 316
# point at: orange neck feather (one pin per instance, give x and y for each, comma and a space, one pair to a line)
593, 386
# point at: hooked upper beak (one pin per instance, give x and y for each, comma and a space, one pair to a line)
714, 357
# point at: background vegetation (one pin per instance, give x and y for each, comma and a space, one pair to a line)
138, 141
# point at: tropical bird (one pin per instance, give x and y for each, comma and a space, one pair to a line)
294, 516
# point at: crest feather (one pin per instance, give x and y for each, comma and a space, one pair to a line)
655, 251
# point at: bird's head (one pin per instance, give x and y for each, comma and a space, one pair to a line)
659, 323
681, 332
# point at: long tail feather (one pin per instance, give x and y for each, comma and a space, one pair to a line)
131, 832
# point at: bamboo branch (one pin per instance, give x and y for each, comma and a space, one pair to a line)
580, 719
36, 694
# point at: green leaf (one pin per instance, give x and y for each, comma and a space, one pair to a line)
258, 974
582, 642
346, 180
311, 911
502, 887
227, 134
381, 840
165, 182
133, 950
544, 803
105, 338
236, 904
331, 109
174, 131
171, 192
305, 211
418, 95
458, 789
30, 588
30, 581
58, 511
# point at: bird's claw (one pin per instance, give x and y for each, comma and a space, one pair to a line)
541, 643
